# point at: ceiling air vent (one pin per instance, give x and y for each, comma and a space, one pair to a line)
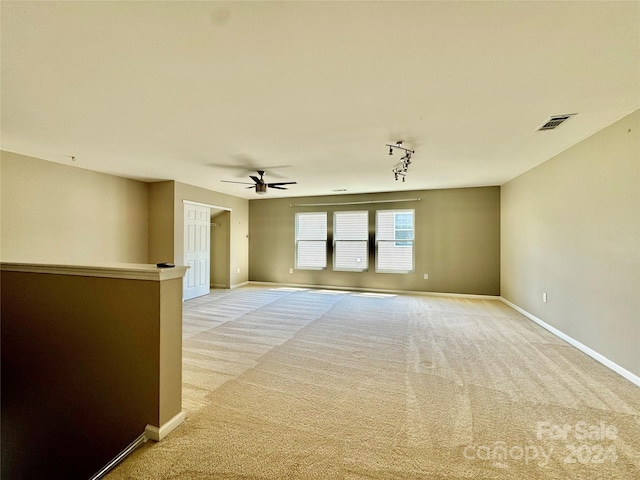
555, 121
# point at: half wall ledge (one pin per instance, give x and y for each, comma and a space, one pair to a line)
134, 271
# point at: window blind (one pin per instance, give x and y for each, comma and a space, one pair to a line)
350, 240
311, 240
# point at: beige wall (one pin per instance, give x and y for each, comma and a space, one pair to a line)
220, 250
161, 214
63, 214
170, 355
54, 213
571, 228
457, 241
238, 226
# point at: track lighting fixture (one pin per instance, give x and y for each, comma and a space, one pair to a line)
400, 170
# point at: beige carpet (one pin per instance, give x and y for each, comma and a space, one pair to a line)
287, 384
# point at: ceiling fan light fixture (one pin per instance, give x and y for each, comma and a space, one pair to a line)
261, 188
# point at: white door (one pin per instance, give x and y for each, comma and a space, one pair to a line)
196, 250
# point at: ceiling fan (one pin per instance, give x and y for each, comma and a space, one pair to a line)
260, 185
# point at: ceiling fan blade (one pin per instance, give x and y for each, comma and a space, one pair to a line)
227, 166
231, 181
270, 170
256, 179
247, 164
277, 187
275, 184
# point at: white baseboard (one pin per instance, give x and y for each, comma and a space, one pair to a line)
238, 285
633, 378
156, 434
378, 290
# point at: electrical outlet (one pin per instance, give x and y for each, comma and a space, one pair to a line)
426, 276
291, 270
544, 297
238, 270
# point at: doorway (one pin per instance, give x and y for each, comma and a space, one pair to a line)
196, 250
220, 248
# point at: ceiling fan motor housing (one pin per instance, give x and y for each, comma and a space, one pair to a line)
261, 188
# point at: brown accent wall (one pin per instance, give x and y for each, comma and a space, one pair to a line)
571, 229
87, 363
457, 241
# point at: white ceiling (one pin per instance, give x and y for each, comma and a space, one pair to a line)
197, 91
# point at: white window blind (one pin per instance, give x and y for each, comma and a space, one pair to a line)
394, 241
311, 240
350, 241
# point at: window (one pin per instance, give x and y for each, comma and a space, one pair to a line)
394, 241
350, 241
403, 228
311, 241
